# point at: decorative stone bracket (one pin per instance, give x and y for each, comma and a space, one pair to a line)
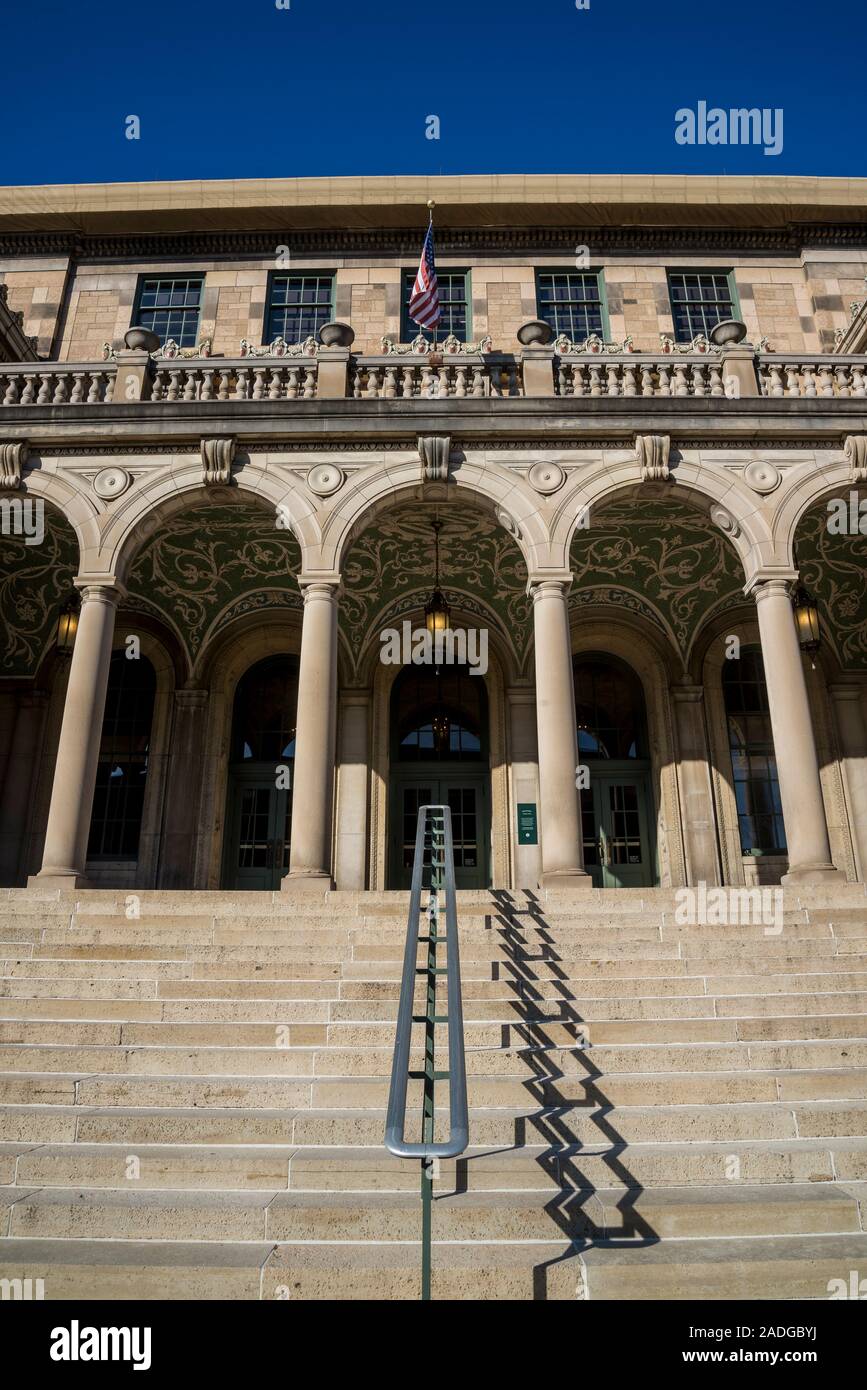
12, 460
218, 454
855, 454
434, 451
652, 452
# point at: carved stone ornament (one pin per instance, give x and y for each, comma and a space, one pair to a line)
652, 452
325, 479
434, 450
508, 522
546, 477
725, 521
111, 482
12, 459
855, 454
762, 477
217, 458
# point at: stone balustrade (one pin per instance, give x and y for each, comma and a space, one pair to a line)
53, 383
782, 374
640, 374
389, 378
244, 379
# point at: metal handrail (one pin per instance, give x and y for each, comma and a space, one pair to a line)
442, 877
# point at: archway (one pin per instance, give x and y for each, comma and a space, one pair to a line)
614, 757
259, 796
439, 755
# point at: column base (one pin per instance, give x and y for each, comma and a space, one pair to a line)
57, 879
574, 880
306, 880
813, 873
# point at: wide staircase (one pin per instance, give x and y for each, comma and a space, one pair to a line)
193, 1099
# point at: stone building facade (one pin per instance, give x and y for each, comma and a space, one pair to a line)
626, 504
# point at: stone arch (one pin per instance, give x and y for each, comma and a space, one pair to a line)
644, 651
35, 579
241, 646
369, 492
805, 486
141, 511
727, 503
65, 494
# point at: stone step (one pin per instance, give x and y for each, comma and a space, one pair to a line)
263, 1214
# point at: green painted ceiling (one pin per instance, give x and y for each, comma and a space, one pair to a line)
389, 572
205, 567
34, 582
658, 558
835, 569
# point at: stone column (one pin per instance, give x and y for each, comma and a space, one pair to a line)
177, 865
18, 783
313, 791
559, 820
65, 852
699, 826
809, 848
849, 709
524, 763
352, 790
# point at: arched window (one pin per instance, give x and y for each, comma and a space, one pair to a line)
266, 704
609, 709
754, 763
439, 715
121, 775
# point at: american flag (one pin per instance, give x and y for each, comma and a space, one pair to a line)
424, 303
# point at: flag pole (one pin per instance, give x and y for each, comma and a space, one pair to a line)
431, 205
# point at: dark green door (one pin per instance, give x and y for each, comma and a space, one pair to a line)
259, 831
468, 799
618, 845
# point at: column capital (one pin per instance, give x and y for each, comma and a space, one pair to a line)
549, 586
100, 588
770, 581
325, 589
191, 699
357, 696
687, 694
850, 691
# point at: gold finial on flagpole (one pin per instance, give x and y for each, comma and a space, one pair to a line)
431, 204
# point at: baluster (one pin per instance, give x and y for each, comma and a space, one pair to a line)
664, 372
373, 382
29, 390
293, 383
158, 392
595, 379
681, 384
11, 396
461, 381
61, 391
562, 379
481, 378
44, 388
808, 373
842, 374
613, 384
258, 383
793, 380
110, 380
424, 384
224, 381
174, 390
699, 380
242, 383
859, 386
776, 384
192, 381
207, 392
647, 387
630, 384
277, 379
77, 388
826, 380
716, 381
407, 382
309, 383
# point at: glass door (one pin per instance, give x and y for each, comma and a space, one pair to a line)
618, 851
467, 799
260, 834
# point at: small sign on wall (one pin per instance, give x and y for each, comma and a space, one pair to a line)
528, 830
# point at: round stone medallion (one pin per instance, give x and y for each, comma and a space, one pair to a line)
725, 521
546, 477
324, 479
111, 482
762, 477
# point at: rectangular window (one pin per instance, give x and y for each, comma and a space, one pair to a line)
454, 306
298, 306
700, 299
169, 305
572, 302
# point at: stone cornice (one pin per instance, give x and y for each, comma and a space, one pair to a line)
326, 243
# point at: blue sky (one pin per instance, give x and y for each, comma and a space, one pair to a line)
244, 90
